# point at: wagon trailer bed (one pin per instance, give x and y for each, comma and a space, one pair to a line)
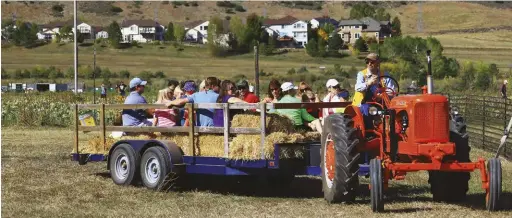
125, 158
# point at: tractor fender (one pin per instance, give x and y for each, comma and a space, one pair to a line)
357, 117
139, 146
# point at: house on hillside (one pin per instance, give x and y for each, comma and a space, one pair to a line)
141, 31
101, 33
320, 21
351, 30
197, 31
49, 30
290, 31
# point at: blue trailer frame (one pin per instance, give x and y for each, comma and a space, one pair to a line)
309, 165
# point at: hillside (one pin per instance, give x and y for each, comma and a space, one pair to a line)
437, 16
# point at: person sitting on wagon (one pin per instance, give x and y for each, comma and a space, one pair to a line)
226, 95
206, 96
136, 117
298, 116
245, 94
165, 117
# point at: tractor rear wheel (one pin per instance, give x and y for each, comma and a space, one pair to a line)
494, 175
453, 186
339, 159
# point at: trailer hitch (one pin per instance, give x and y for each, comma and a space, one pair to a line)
83, 158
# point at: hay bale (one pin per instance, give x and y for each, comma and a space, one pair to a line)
247, 147
312, 136
274, 122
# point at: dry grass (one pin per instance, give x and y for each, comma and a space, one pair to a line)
39, 180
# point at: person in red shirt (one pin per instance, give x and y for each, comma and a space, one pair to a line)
244, 94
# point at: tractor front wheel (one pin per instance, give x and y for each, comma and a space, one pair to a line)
377, 198
339, 159
494, 174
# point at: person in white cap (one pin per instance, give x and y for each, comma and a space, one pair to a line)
333, 86
298, 116
504, 89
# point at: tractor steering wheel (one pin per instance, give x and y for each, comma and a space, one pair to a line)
391, 87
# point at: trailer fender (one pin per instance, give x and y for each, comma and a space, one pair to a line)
139, 146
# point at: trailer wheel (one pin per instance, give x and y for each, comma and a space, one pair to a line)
154, 167
124, 165
492, 198
377, 199
339, 159
453, 186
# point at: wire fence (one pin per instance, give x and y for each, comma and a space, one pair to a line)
486, 118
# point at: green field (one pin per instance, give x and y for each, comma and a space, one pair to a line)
39, 180
193, 62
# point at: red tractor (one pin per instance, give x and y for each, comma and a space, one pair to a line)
401, 134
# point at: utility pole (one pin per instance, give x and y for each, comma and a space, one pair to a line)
76, 48
94, 78
257, 70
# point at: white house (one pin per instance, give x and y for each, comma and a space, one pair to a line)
141, 31
46, 35
48, 31
197, 31
290, 30
100, 32
320, 21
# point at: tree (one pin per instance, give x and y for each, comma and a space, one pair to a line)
360, 45
360, 10
240, 34
328, 28
124, 74
66, 32
271, 46
312, 33
335, 44
322, 47
179, 33
80, 37
169, 33
114, 34
312, 48
381, 15
254, 29
215, 28
25, 34
395, 27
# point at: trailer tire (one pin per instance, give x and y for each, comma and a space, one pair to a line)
453, 186
155, 167
339, 159
494, 174
124, 165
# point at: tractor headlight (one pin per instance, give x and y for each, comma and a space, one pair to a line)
454, 110
373, 111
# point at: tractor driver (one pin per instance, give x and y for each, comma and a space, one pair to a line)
367, 84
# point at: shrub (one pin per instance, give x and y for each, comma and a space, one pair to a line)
291, 71
124, 74
302, 69
146, 75
240, 8
159, 74
116, 9
194, 4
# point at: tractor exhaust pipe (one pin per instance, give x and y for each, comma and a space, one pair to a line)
430, 84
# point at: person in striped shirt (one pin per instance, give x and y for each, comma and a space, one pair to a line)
165, 117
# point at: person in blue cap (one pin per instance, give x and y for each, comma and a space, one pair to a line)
138, 117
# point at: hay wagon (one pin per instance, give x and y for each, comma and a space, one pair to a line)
152, 160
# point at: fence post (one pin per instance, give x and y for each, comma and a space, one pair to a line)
483, 122
103, 127
76, 130
505, 127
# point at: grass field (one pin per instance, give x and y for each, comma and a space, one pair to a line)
39, 180
193, 62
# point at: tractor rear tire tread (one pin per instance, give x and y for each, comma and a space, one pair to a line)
346, 178
453, 186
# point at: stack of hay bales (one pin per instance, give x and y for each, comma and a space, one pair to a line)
241, 147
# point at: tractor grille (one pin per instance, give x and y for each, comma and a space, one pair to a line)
431, 122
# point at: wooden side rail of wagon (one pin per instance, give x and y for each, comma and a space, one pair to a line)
227, 130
